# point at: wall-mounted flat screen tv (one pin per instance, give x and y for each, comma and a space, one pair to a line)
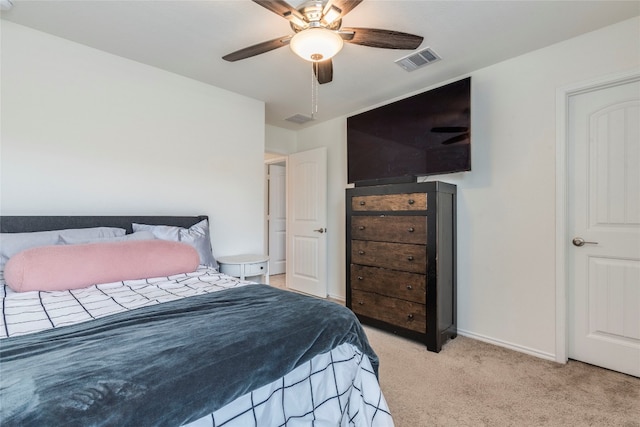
425, 134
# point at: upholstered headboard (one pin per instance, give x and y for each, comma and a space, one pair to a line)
22, 224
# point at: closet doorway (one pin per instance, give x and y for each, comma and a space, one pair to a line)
276, 212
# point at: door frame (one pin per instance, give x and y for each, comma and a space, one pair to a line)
562, 181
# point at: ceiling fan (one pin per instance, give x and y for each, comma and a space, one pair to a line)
463, 132
319, 35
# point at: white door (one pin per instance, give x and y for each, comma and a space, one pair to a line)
277, 218
604, 226
307, 217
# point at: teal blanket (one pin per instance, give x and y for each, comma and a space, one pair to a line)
167, 364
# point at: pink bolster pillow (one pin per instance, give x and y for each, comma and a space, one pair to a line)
63, 267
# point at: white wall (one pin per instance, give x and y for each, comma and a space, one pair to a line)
506, 204
85, 132
280, 140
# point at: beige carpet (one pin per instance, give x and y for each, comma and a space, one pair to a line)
471, 383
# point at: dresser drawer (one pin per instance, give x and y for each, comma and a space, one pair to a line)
390, 202
401, 229
397, 256
392, 283
256, 269
404, 314
246, 265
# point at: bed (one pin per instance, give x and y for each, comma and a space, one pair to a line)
195, 348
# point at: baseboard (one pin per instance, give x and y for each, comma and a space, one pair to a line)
510, 346
339, 298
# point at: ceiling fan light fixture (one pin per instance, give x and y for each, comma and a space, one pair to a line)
316, 44
298, 22
331, 15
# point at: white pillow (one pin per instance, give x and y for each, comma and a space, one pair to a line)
197, 236
12, 243
140, 235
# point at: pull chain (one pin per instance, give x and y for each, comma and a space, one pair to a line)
314, 90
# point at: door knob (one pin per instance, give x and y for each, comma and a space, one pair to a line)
579, 241
320, 230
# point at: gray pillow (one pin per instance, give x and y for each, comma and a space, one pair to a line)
140, 235
13, 243
197, 236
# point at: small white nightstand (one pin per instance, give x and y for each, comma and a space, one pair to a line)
243, 266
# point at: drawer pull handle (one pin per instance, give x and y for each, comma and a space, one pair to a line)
409, 287
361, 252
360, 278
361, 227
410, 317
411, 201
361, 302
411, 230
410, 258
362, 203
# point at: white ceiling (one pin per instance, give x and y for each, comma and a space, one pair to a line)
190, 37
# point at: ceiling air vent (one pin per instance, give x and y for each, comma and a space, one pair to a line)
299, 119
419, 59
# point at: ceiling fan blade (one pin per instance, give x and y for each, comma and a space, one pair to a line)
281, 8
323, 71
449, 129
454, 139
346, 36
257, 49
386, 39
343, 6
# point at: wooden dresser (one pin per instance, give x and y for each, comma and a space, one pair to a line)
401, 259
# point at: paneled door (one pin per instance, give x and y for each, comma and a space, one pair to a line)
307, 218
277, 217
604, 226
